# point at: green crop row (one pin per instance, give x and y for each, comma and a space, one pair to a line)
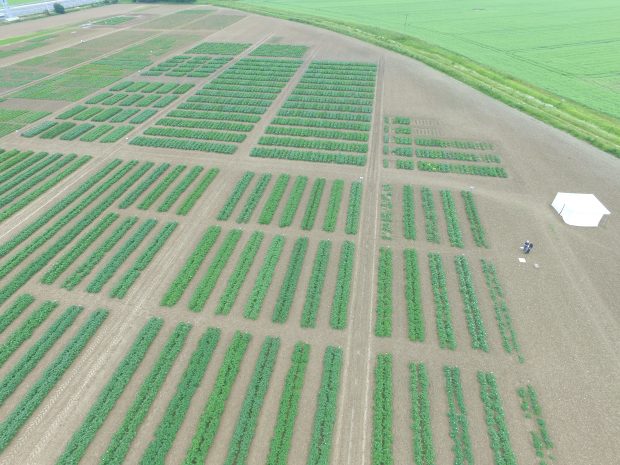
470, 305
327, 124
95, 258
13, 422
126, 433
353, 94
152, 196
180, 189
77, 131
124, 115
238, 92
11, 158
333, 206
327, 402
502, 312
195, 134
157, 449
459, 156
405, 165
239, 274
219, 48
207, 284
325, 115
430, 216
57, 130
202, 124
87, 114
76, 447
171, 143
25, 330
445, 332
329, 86
477, 230
243, 109
460, 144
413, 296
214, 115
340, 81
423, 452
195, 195
121, 256
214, 408
102, 116
263, 281
78, 249
280, 50
495, 420
117, 133
245, 428
408, 213
301, 155
330, 99
129, 278
294, 199
327, 107
235, 196
38, 129
452, 221
491, 171
355, 208
254, 198
340, 303
280, 444
274, 199
244, 101
71, 112
320, 133
383, 325
143, 186
386, 211
16, 177
290, 282
15, 310
457, 418
193, 262
328, 145
383, 440
96, 133
315, 285
541, 441
307, 222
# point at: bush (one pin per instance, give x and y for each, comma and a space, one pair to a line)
58, 8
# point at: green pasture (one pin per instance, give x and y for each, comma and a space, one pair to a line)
567, 47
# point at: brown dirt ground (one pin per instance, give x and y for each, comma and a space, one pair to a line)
564, 312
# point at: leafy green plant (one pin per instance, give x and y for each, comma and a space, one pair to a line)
413, 296
409, 213
290, 209
333, 206
263, 281
457, 417
291, 280
477, 230
423, 452
235, 196
443, 313
470, 305
382, 443
383, 325
454, 230
340, 302
430, 216
355, 207
315, 285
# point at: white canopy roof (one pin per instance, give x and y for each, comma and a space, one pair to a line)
579, 209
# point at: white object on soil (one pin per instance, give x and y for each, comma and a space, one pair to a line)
521, 260
579, 209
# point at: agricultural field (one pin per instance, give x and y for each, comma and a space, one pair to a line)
233, 247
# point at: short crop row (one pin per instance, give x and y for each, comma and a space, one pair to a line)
457, 417
383, 325
312, 208
459, 144
235, 196
354, 209
314, 144
340, 303
152, 196
301, 155
15, 310
325, 115
195, 195
319, 133
423, 452
386, 211
491, 171
333, 206
382, 430
443, 313
254, 198
180, 189
294, 199
315, 285
214, 115
413, 296
180, 144
190, 268
430, 216
452, 221
320, 123
408, 213
541, 441
477, 230
470, 305
459, 156
325, 414
291, 280
274, 199
144, 185
263, 281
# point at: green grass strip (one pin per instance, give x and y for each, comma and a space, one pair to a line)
155, 453
211, 416
333, 206
16, 308
207, 284
179, 285
124, 436
355, 208
93, 260
142, 262
14, 421
152, 197
179, 189
423, 452
255, 196
245, 428
325, 414
383, 325
290, 209
274, 199
235, 196
143, 186
239, 274
263, 281
413, 296
109, 395
342, 294
280, 444
195, 195
382, 429
25, 330
291, 279
315, 285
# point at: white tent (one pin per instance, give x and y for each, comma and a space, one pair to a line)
579, 209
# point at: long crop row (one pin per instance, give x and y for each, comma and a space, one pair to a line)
477, 230
327, 402
195, 195
290, 209
180, 189
443, 313
181, 144
386, 211
470, 305
291, 279
254, 198
15, 310
314, 201
383, 326
163, 185
408, 213
454, 230
263, 281
491, 171
541, 440
423, 452
340, 303
382, 430
315, 285
457, 417
274, 199
333, 206
99, 411
413, 296
460, 156
355, 208
302, 155
235, 196
430, 215
209, 421
129, 200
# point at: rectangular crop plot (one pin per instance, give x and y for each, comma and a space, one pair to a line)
280, 50
219, 48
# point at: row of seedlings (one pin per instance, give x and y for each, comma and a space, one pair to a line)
219, 116
25, 176
258, 197
327, 118
187, 66
252, 273
99, 118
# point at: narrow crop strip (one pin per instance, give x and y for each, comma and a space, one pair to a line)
454, 230
255, 196
457, 418
355, 208
383, 325
307, 222
315, 285
263, 281
144, 185
430, 216
423, 452
342, 293
333, 206
541, 441
274, 198
195, 195
386, 211
152, 196
179, 189
470, 305
290, 209
15, 309
291, 280
382, 442
477, 230
413, 296
235, 196
408, 213
443, 314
